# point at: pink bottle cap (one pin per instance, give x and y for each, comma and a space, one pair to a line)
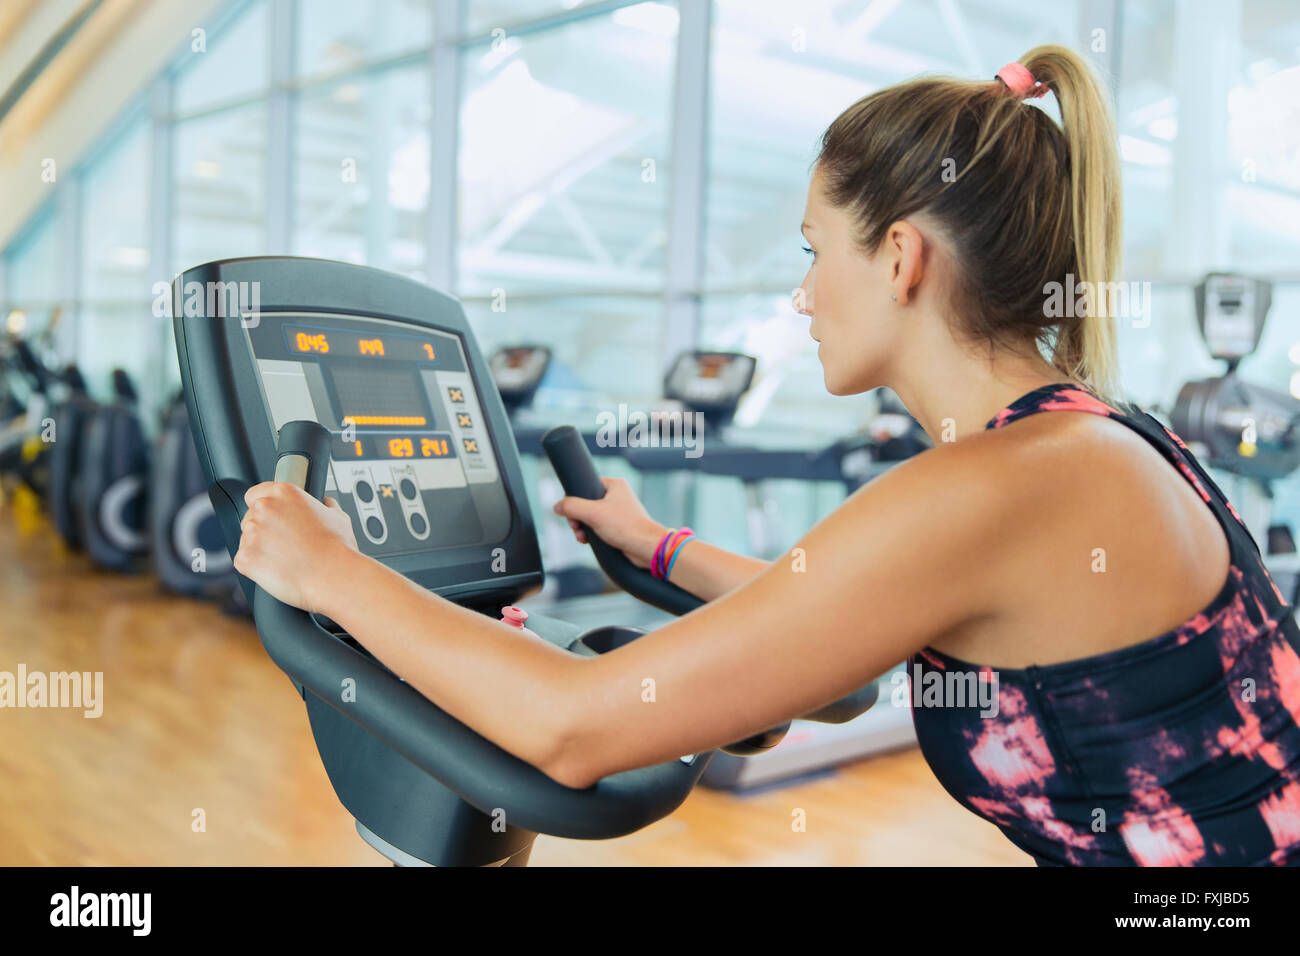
514, 616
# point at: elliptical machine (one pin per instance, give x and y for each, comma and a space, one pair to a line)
189, 554
23, 453
70, 415
370, 386
1249, 431
113, 481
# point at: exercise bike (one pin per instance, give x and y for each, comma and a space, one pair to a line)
370, 387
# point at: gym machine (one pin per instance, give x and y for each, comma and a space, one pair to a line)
370, 387
188, 551
1246, 430
28, 384
70, 415
112, 481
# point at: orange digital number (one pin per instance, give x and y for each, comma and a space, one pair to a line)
433, 447
371, 346
401, 447
428, 350
312, 343
358, 444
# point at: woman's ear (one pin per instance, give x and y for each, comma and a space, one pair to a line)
904, 247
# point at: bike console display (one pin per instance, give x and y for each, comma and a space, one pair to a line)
422, 459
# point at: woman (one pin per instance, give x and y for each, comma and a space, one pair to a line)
1145, 668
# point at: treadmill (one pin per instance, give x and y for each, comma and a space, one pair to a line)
371, 387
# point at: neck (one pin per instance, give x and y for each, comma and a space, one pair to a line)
956, 395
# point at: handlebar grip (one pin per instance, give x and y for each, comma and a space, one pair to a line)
303, 456
571, 460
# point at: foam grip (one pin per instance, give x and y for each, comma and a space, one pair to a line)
303, 456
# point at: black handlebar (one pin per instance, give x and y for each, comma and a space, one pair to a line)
482, 773
571, 460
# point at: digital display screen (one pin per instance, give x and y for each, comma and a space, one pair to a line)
342, 343
395, 445
412, 460
368, 397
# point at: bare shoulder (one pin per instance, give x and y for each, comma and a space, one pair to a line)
1105, 540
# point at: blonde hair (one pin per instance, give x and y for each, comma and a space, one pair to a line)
1023, 202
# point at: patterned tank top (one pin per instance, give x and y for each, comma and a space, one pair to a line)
1181, 750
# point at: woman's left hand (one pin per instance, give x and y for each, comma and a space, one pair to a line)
291, 545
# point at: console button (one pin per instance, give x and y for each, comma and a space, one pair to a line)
374, 527
408, 488
363, 491
418, 524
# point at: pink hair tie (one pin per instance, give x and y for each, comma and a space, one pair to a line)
1021, 82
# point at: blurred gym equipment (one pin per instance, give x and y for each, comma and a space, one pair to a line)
188, 551
1244, 429
113, 481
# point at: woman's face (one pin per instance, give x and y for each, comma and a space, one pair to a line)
846, 293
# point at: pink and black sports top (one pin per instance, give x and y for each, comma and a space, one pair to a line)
1181, 750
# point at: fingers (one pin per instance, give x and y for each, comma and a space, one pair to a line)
333, 503
264, 490
575, 509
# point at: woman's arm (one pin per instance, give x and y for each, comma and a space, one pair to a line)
903, 560
620, 519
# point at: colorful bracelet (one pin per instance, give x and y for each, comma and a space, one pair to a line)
666, 552
655, 561
677, 549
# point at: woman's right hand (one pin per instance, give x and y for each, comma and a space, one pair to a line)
619, 519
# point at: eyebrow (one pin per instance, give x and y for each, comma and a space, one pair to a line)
805, 226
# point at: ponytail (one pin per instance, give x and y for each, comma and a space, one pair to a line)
1086, 349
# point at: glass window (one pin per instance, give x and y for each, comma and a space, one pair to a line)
335, 35
120, 335
361, 171
1264, 141
782, 72
115, 219
600, 345
219, 182
232, 65
32, 273
484, 15
1146, 120
563, 157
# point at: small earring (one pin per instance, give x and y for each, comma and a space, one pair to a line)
893, 298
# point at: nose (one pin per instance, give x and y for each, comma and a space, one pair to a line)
801, 299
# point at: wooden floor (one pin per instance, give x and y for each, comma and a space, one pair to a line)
197, 718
